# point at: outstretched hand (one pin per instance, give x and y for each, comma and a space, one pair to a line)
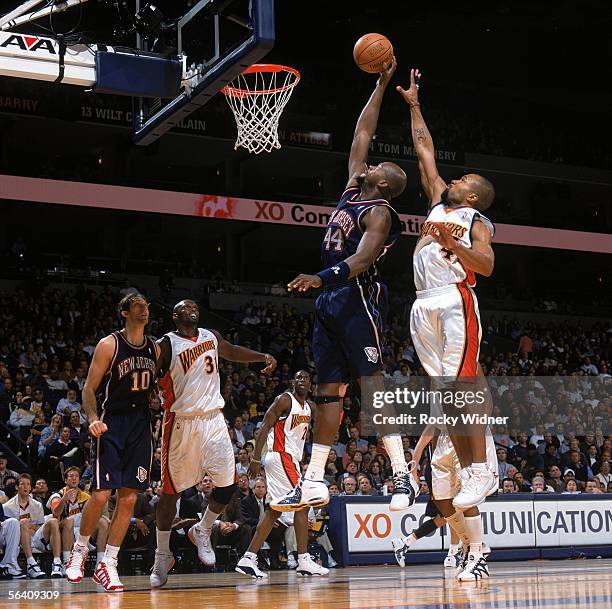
411, 95
304, 282
387, 73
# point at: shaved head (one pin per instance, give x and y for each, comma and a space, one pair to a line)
396, 179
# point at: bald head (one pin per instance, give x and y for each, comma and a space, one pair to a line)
179, 305
396, 179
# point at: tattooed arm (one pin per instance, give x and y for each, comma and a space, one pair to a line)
433, 184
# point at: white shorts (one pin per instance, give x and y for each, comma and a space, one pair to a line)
194, 446
282, 474
39, 545
445, 329
445, 466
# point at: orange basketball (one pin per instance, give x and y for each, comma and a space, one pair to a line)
372, 51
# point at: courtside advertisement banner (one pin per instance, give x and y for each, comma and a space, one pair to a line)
38, 190
521, 523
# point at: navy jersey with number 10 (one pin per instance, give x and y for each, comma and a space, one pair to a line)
131, 372
344, 232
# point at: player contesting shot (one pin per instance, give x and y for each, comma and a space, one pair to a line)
195, 438
122, 369
454, 246
350, 313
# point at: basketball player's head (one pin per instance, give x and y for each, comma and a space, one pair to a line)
387, 178
186, 314
133, 308
72, 476
470, 189
301, 383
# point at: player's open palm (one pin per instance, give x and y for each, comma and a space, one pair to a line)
443, 236
97, 428
411, 95
304, 282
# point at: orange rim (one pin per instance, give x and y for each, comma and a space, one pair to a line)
271, 68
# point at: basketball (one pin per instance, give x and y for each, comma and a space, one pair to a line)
372, 51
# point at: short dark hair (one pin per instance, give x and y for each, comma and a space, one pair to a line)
126, 302
485, 192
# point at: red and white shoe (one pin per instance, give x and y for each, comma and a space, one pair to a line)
106, 575
75, 567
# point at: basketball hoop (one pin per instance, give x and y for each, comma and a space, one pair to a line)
257, 98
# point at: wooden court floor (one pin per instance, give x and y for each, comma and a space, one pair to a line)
585, 584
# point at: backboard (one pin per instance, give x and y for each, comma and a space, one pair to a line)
218, 40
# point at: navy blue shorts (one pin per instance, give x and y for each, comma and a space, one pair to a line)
121, 457
350, 323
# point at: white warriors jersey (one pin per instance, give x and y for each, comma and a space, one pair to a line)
192, 385
436, 267
289, 432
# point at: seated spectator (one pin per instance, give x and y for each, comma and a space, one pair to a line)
538, 485
333, 489
78, 429
4, 472
156, 465
230, 528
36, 532
68, 405
592, 486
63, 450
241, 435
571, 487
252, 509
366, 488
509, 486
54, 382
243, 485
523, 485
579, 469
203, 490
9, 544
242, 466
351, 448
33, 439
348, 486
502, 463
67, 506
376, 475
41, 493
338, 447
605, 475
555, 478
21, 418
50, 434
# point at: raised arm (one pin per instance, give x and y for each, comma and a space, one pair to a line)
236, 353
377, 223
366, 126
433, 184
280, 407
100, 364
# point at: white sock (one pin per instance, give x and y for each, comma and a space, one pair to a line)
163, 541
208, 519
32, 561
99, 557
250, 555
395, 450
453, 549
475, 531
318, 459
112, 552
458, 524
65, 556
480, 467
83, 540
305, 556
57, 560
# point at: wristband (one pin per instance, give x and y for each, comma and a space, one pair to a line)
414, 105
334, 275
132, 520
255, 461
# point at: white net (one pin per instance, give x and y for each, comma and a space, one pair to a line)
257, 99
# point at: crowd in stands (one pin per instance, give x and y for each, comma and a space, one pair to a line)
557, 440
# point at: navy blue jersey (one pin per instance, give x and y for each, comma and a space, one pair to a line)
344, 232
131, 372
